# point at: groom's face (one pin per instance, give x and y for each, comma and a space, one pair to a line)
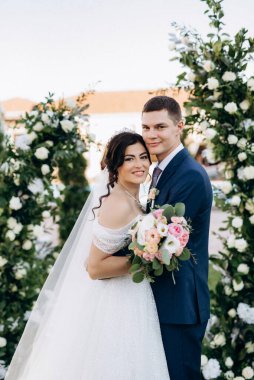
161, 133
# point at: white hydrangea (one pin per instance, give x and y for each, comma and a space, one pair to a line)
212, 83
232, 313
242, 156
209, 66
242, 143
246, 313
231, 108
210, 133
235, 200
237, 286
67, 125
237, 222
232, 139
229, 76
241, 245
248, 172
248, 373
45, 169
204, 360
41, 153
15, 203
243, 268
211, 370
250, 84
36, 186
245, 105
229, 362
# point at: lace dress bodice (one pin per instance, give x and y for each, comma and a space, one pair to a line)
111, 240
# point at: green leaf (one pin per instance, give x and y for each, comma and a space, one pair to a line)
156, 264
185, 255
137, 260
135, 267
138, 277
180, 209
169, 212
159, 272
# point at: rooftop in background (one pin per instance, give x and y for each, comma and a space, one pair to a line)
100, 102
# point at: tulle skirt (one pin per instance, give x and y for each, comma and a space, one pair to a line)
114, 335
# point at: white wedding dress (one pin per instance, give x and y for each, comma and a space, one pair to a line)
119, 338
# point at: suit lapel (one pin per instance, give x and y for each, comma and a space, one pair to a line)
172, 167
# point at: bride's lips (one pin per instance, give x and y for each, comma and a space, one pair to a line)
139, 173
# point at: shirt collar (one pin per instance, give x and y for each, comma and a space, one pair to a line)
164, 163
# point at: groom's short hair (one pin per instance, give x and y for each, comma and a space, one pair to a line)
158, 103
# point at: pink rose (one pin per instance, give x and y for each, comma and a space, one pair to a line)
178, 219
151, 248
158, 255
148, 257
175, 229
184, 239
179, 252
158, 213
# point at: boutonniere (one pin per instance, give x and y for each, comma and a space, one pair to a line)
152, 195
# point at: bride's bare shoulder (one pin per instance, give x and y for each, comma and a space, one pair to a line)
115, 211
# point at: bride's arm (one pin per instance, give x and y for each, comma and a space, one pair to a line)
102, 265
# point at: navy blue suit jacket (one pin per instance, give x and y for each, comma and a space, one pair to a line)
187, 301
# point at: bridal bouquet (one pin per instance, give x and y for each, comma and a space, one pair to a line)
159, 242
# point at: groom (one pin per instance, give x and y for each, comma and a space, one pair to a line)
183, 308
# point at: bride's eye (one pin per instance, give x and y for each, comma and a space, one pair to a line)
145, 157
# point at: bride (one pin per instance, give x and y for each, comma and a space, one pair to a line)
91, 321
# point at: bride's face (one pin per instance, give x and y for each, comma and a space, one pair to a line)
136, 165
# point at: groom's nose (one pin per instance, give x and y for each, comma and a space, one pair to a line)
152, 133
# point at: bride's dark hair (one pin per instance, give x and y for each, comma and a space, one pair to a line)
113, 156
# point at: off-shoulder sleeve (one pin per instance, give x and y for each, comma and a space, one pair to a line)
109, 240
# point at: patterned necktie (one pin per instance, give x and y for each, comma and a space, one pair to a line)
156, 173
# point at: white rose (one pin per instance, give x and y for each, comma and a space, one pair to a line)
227, 290
249, 206
251, 219
238, 378
41, 153
219, 339
240, 173
248, 172
229, 174
232, 313
17, 228
243, 268
242, 156
237, 222
241, 245
226, 187
36, 186
67, 125
242, 143
45, 118
211, 370
235, 200
11, 222
3, 342
20, 273
10, 235
49, 143
218, 105
27, 245
38, 126
238, 286
231, 107
209, 66
232, 139
45, 169
229, 375
15, 203
210, 156
229, 76
247, 123
246, 313
37, 230
146, 224
231, 241
31, 137
250, 84
210, 133
204, 360
245, 105
46, 214
212, 83
191, 76
229, 362
3, 261
204, 125
248, 373
249, 347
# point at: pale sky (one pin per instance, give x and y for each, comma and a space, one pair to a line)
65, 46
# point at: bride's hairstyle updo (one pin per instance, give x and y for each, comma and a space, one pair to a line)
114, 153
